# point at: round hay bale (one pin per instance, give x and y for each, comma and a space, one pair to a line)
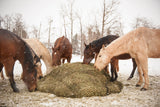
78, 80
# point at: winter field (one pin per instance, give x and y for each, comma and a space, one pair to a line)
130, 96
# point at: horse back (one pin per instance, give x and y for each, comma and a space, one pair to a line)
152, 39
9, 44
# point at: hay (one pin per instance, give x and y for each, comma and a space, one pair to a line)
78, 80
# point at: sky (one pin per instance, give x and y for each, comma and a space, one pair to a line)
39, 11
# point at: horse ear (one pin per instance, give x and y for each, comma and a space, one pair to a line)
103, 46
40, 57
85, 44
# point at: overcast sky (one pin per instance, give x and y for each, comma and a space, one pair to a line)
36, 11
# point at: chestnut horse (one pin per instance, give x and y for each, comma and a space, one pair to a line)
141, 44
93, 49
13, 48
62, 50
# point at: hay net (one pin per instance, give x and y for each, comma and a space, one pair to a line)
78, 80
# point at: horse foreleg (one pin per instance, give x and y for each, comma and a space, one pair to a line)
9, 64
69, 59
143, 62
114, 75
107, 69
1, 67
134, 68
63, 60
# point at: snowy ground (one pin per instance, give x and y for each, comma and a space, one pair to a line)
130, 96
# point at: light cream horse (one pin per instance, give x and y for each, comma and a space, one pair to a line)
141, 44
41, 52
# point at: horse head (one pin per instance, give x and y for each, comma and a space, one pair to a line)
29, 75
88, 54
56, 60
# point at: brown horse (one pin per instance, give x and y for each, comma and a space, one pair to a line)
35, 45
93, 49
141, 44
13, 48
62, 50
42, 52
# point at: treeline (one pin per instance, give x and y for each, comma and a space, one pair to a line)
108, 22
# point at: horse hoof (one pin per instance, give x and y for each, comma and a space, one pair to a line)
137, 85
143, 89
112, 80
16, 90
129, 78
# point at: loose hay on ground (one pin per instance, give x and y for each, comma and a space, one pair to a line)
78, 80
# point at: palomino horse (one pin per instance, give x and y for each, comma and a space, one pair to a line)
42, 52
62, 50
13, 48
141, 44
93, 49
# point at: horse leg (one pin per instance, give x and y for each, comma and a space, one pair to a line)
107, 69
96, 57
1, 67
9, 72
69, 59
143, 62
113, 70
134, 68
63, 60
140, 74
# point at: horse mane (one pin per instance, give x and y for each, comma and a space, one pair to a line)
97, 44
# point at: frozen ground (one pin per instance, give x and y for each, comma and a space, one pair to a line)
130, 96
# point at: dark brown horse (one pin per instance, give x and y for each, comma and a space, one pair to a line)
62, 50
13, 48
93, 49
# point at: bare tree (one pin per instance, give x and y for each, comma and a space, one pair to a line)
142, 22
71, 2
35, 31
64, 15
49, 30
109, 18
81, 32
7, 21
19, 26
1, 20
67, 10
39, 31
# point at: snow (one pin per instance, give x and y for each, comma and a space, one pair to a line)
125, 66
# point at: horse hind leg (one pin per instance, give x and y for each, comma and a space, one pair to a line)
134, 68
9, 72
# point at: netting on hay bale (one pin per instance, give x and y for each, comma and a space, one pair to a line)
78, 80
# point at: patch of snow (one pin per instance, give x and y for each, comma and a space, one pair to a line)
125, 66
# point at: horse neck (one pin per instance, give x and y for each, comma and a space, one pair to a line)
119, 46
25, 57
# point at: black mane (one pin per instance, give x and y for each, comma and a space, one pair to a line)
97, 44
